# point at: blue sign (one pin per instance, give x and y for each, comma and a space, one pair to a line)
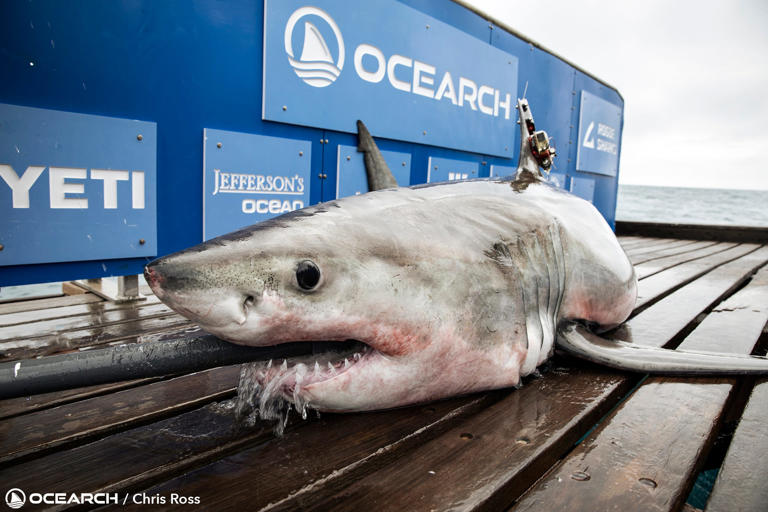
75, 187
447, 169
583, 188
250, 178
350, 168
502, 170
599, 135
408, 75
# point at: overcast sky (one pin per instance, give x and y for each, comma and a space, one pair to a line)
693, 74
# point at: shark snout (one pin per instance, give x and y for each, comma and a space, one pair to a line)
188, 291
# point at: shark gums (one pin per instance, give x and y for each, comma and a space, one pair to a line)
421, 292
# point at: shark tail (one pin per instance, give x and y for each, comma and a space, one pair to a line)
578, 341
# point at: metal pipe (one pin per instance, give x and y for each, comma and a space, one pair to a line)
134, 361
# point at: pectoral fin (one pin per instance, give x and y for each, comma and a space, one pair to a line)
577, 340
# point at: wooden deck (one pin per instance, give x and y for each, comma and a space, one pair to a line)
580, 437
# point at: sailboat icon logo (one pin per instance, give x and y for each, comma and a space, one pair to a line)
316, 65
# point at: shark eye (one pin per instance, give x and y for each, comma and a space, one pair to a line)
307, 275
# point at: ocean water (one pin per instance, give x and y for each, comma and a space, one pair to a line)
693, 205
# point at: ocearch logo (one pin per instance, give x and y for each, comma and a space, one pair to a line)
15, 498
315, 65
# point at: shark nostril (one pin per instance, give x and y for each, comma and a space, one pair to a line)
249, 301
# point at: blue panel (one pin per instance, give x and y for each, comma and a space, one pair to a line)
557, 179
502, 170
350, 170
190, 65
599, 135
75, 187
448, 169
397, 68
583, 187
251, 178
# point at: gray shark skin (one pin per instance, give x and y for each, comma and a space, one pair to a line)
446, 289
452, 288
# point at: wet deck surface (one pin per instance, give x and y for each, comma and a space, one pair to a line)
579, 437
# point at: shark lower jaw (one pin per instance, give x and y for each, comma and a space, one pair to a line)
298, 379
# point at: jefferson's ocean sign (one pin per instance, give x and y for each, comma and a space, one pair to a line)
599, 135
409, 76
250, 178
75, 187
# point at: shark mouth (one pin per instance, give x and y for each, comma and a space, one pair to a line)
269, 390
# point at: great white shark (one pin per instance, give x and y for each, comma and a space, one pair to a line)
426, 292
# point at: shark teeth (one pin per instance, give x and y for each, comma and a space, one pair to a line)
268, 391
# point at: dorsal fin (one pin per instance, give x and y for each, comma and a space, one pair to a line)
379, 175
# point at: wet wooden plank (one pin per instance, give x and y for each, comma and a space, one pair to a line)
156, 452
97, 319
127, 332
647, 242
647, 269
663, 283
133, 459
478, 464
637, 457
49, 428
55, 302
338, 448
91, 309
632, 241
671, 243
676, 311
27, 404
672, 251
641, 457
740, 484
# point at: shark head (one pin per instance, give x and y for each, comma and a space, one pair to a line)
367, 282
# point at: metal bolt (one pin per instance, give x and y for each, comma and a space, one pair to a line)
427, 27
285, 108
581, 476
424, 132
2, 247
490, 26
139, 137
142, 241
349, 157
326, 141
403, 164
218, 145
301, 153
